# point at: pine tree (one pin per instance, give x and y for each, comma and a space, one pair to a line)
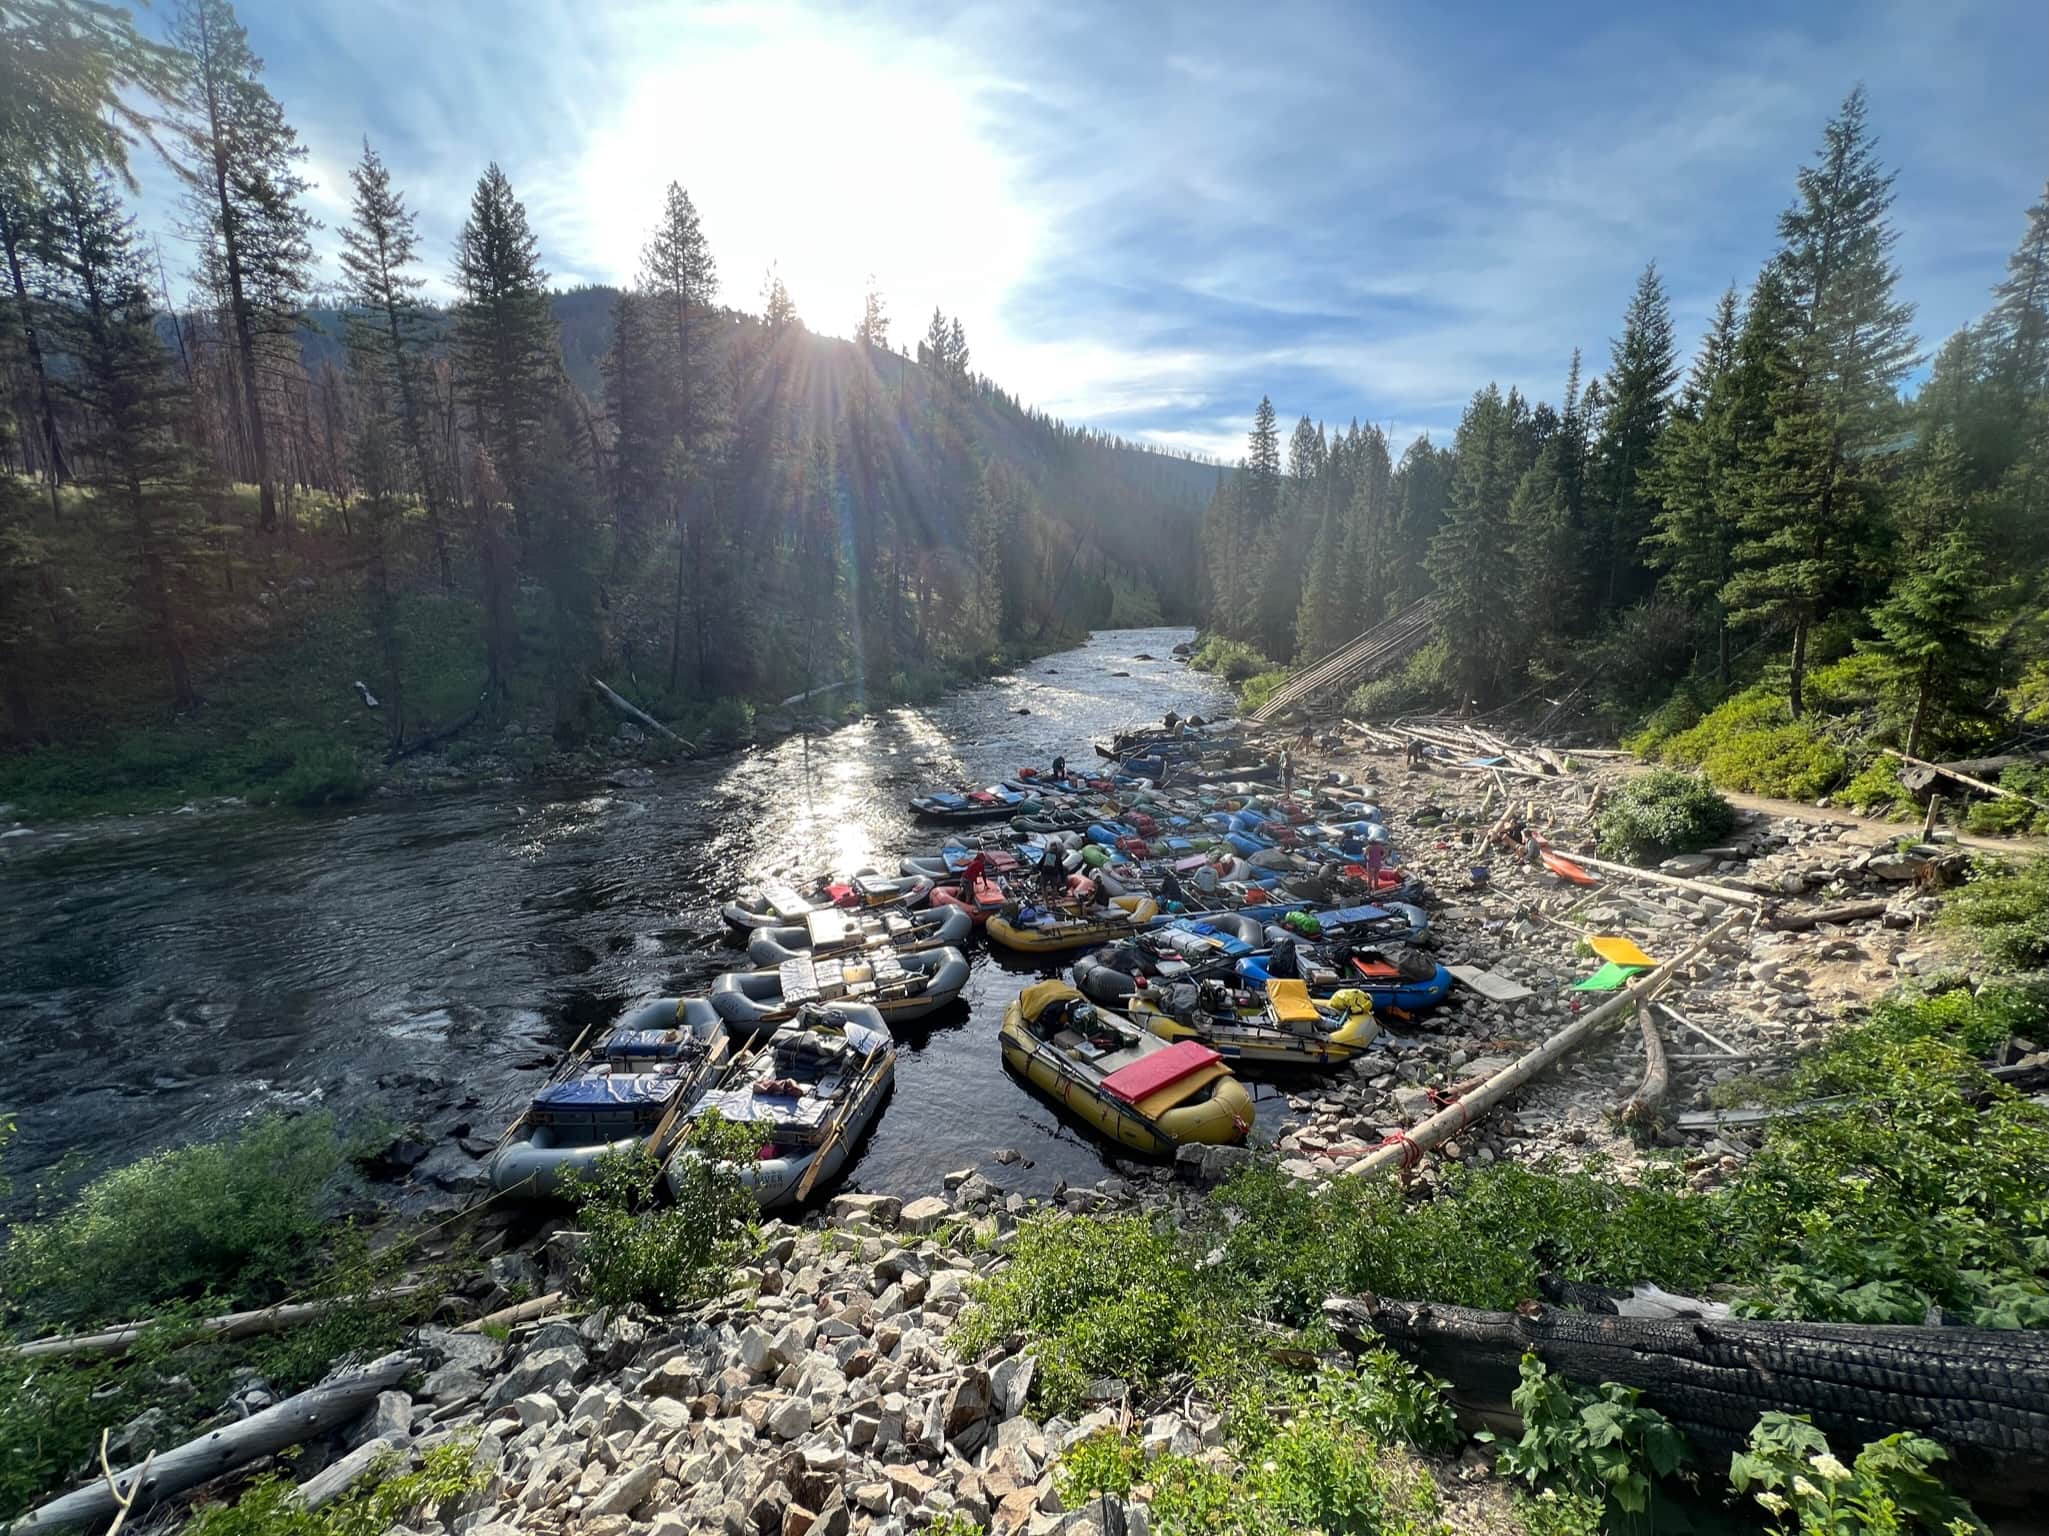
240, 168
1641, 372
389, 330
932, 350
1263, 468
73, 79
1546, 530
122, 383
2017, 338
680, 280
1468, 559
504, 342
1690, 477
778, 309
1810, 512
636, 402
957, 351
1422, 492
872, 334
1927, 635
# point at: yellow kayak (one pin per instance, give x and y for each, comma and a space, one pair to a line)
1144, 1093
1055, 930
1287, 1029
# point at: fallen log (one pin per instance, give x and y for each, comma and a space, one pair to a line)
1983, 1393
1403, 1151
299, 1417
1849, 912
455, 727
519, 1312
229, 1326
1698, 887
1657, 1077
1965, 778
639, 716
1685, 1023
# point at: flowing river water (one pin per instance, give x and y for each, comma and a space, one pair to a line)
425, 960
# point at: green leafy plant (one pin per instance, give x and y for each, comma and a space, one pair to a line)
267, 1507
639, 1246
1663, 812
1601, 1443
1752, 744
1550, 1512
1891, 1488
240, 1219
1116, 1297
2005, 911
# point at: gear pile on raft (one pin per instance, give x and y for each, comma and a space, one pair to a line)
1198, 914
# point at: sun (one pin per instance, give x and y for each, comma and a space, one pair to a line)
826, 153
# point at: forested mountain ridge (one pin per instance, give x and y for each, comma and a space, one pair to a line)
473, 510
1784, 526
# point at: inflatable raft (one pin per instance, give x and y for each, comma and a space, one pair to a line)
1146, 1094
1280, 1027
1038, 930
778, 904
811, 1093
898, 986
974, 804
661, 1056
835, 934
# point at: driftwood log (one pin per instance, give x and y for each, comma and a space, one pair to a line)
232, 1325
1849, 912
300, 1417
1982, 1393
1657, 1075
639, 716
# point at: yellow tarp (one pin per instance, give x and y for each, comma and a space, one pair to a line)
1289, 999
1619, 950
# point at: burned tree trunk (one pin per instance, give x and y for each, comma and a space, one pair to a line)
1982, 1393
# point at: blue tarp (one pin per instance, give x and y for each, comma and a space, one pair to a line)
626, 1088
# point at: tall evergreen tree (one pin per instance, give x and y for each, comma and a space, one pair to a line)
1927, 634
1644, 364
1810, 512
240, 168
123, 384
1263, 467
636, 403
75, 79
1546, 527
388, 329
1476, 582
680, 280
872, 334
504, 344
1422, 491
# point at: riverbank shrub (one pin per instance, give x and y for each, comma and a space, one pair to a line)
642, 1247
1598, 1443
1877, 791
1232, 660
1663, 812
2004, 816
394, 1499
237, 1220
1260, 687
1423, 679
1752, 744
2004, 910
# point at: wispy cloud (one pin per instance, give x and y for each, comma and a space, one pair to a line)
1147, 216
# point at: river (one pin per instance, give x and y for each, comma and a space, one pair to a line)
164, 977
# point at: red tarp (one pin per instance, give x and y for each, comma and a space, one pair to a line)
1149, 1074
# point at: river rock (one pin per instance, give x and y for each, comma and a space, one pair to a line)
923, 1214
881, 1210
540, 1371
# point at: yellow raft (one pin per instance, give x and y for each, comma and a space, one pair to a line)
1287, 1030
1057, 930
1144, 1093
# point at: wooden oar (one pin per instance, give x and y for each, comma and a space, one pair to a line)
839, 1119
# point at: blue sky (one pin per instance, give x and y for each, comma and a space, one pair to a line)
1147, 215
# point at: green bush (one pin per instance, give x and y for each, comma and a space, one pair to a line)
1752, 744
2005, 911
1680, 712
1891, 1488
1232, 660
1104, 1298
728, 719
322, 773
1661, 813
2003, 816
1423, 679
1256, 690
1595, 1444
1877, 790
238, 1219
640, 1247
267, 1507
